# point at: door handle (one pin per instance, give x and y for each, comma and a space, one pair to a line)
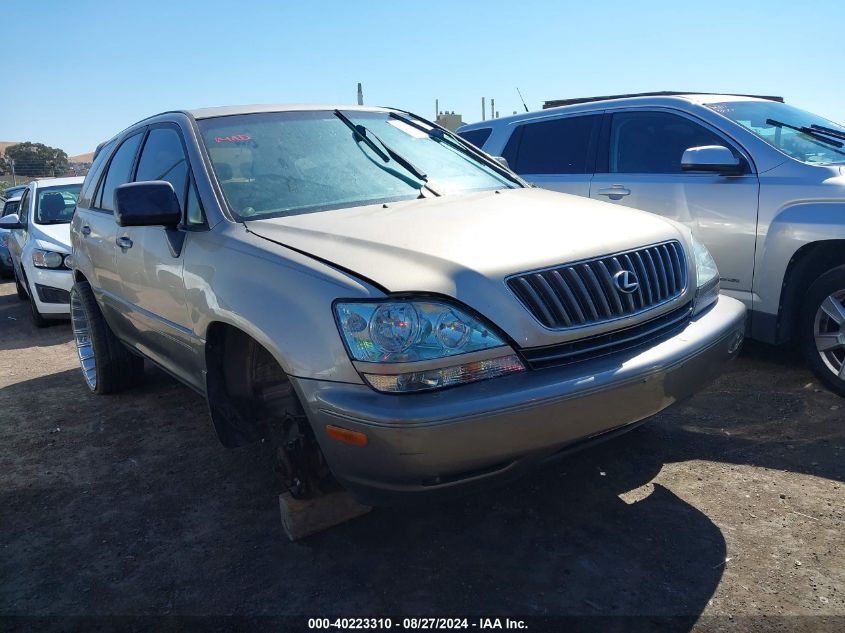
124, 242
615, 192
85, 230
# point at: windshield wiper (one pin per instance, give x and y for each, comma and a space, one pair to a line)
388, 154
828, 131
462, 146
809, 131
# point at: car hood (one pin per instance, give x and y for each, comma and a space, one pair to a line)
465, 246
54, 237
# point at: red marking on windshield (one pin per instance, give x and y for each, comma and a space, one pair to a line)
234, 138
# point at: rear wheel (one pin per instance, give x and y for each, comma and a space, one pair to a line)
823, 329
106, 364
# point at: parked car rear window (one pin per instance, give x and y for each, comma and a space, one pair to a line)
284, 163
793, 131
654, 142
55, 205
557, 146
119, 171
477, 137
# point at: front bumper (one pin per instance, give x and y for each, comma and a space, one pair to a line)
461, 438
55, 285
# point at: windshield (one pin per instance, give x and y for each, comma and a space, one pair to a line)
55, 205
285, 163
788, 129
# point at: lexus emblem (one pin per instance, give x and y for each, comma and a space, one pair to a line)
626, 281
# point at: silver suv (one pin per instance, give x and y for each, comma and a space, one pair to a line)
761, 183
380, 299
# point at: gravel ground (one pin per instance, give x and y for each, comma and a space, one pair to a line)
722, 510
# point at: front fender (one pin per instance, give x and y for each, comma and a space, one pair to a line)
281, 298
792, 228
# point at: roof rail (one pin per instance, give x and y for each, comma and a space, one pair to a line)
663, 93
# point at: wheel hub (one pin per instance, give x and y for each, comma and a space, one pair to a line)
82, 336
829, 333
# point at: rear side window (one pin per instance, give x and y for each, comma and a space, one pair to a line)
559, 146
90, 183
477, 137
654, 142
164, 159
119, 171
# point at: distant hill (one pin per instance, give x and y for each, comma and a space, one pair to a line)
82, 158
5, 144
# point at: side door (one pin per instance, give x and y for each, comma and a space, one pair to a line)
639, 165
556, 153
97, 230
150, 263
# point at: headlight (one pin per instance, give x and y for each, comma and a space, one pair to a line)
47, 259
403, 334
707, 277
68, 261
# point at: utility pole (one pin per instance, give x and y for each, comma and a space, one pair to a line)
492, 108
360, 94
14, 178
483, 110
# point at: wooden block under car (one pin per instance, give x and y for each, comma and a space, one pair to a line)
303, 517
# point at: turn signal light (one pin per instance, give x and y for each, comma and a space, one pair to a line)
346, 436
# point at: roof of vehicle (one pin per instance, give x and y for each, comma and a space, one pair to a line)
647, 98
51, 182
207, 113
691, 96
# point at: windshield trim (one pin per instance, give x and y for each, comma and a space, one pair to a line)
514, 181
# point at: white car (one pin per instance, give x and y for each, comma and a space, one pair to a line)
39, 245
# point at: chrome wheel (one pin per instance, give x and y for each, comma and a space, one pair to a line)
829, 332
82, 336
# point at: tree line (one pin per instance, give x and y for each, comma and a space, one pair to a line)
33, 159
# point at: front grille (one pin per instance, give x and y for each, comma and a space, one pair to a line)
585, 293
647, 333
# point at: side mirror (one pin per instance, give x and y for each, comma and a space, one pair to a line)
502, 161
148, 203
11, 221
713, 159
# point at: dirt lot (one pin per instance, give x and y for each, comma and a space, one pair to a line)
723, 509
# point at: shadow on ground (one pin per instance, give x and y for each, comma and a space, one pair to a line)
127, 505
17, 330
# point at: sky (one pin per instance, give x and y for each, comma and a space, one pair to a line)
79, 72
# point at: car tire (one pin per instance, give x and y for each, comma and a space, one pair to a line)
37, 318
19, 287
823, 329
107, 365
